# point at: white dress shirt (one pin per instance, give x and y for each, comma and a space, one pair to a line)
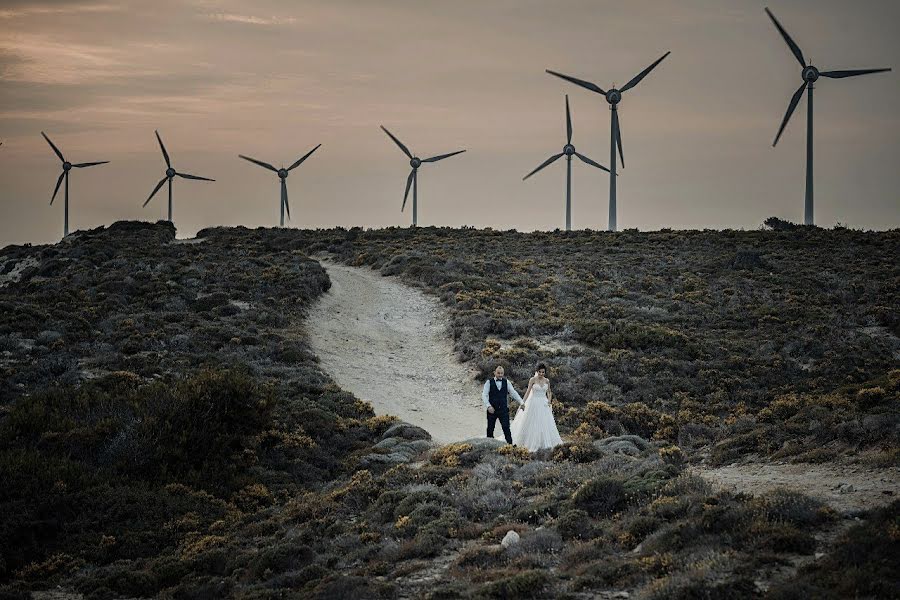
509, 388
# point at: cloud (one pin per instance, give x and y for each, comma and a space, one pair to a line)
18, 10
223, 17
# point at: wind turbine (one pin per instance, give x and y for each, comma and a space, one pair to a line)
66, 167
282, 175
568, 150
810, 75
613, 97
415, 162
170, 174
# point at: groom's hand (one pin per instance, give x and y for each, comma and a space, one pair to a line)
491, 409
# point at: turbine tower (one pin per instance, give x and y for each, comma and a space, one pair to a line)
170, 174
282, 175
66, 167
613, 97
810, 75
568, 150
415, 162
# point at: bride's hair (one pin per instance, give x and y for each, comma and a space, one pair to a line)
539, 367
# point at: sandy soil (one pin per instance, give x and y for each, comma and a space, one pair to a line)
846, 488
388, 343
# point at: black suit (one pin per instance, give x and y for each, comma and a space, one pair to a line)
498, 401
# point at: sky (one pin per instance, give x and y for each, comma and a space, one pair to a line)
273, 78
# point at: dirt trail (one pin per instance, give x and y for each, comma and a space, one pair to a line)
388, 343
845, 488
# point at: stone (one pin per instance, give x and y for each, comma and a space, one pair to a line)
510, 539
387, 443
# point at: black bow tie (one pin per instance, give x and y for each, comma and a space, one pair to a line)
498, 380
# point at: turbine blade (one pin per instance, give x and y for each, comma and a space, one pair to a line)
56, 189
543, 164
790, 110
163, 148
55, 149
259, 162
585, 84
851, 73
90, 164
409, 181
787, 38
398, 142
284, 197
568, 122
186, 176
585, 159
156, 189
442, 156
637, 78
302, 158
618, 134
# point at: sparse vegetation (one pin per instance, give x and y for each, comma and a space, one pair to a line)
165, 431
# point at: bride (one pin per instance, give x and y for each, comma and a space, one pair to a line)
534, 426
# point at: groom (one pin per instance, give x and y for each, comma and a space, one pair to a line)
494, 396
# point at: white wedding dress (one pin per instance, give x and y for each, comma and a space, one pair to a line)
534, 426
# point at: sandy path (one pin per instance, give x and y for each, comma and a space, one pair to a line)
388, 343
845, 488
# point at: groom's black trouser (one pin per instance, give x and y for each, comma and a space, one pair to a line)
504, 423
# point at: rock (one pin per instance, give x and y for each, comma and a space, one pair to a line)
406, 431
846, 488
510, 539
621, 594
819, 555
417, 446
395, 450
387, 443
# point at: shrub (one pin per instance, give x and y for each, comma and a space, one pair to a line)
529, 584
601, 497
574, 524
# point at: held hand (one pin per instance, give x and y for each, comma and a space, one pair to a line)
491, 409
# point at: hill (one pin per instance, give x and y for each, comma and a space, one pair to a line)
165, 430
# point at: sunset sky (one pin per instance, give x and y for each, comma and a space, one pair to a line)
274, 78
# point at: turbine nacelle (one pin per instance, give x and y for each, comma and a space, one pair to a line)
568, 149
810, 73
67, 166
282, 173
415, 162
614, 96
170, 172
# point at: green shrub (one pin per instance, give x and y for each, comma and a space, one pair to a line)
601, 497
